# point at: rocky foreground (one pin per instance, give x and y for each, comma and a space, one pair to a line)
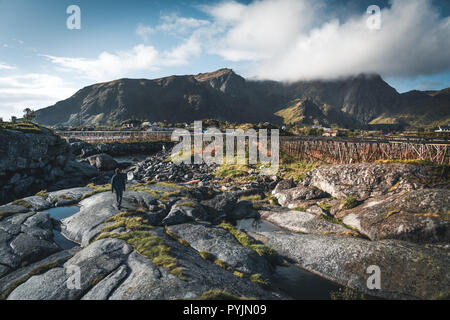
177, 240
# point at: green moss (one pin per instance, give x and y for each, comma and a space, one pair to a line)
22, 203
217, 294
43, 194
175, 237
65, 197
258, 279
206, 255
325, 206
222, 264
152, 247
36, 271
335, 220
301, 209
395, 186
349, 202
231, 170
250, 198
347, 294
390, 213
187, 204
248, 242
97, 189
25, 127
238, 274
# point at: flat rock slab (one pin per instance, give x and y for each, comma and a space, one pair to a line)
25, 238
295, 197
301, 221
419, 216
223, 245
23, 273
68, 196
408, 271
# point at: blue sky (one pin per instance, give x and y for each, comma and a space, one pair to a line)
42, 61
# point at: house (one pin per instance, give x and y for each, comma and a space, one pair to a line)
445, 128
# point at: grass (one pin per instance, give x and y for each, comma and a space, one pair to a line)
325, 206
217, 294
254, 197
175, 237
301, 209
258, 279
248, 242
43, 194
347, 294
25, 127
65, 197
97, 189
36, 271
350, 202
232, 170
207, 255
238, 274
22, 203
335, 220
390, 213
297, 169
152, 247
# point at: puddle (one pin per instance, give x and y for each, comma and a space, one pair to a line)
60, 213
294, 281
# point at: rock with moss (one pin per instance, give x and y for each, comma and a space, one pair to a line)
297, 196
367, 180
184, 211
301, 221
408, 271
24, 239
223, 246
420, 216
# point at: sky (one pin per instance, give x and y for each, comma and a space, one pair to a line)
43, 61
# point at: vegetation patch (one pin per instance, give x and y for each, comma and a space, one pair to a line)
248, 242
349, 202
390, 213
238, 274
43, 194
258, 279
347, 294
152, 247
335, 220
97, 189
66, 197
217, 294
232, 170
36, 271
207, 255
324, 206
301, 209
23, 203
176, 237
25, 127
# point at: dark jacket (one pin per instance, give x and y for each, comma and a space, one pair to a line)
118, 182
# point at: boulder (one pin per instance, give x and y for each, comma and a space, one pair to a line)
367, 180
417, 216
103, 162
407, 271
184, 211
295, 197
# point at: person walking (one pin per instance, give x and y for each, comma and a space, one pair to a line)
118, 183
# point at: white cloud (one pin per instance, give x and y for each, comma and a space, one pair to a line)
141, 58
108, 66
4, 66
174, 23
144, 31
292, 40
30, 90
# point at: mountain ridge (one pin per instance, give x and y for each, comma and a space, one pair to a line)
224, 95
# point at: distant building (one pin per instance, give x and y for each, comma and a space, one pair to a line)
445, 128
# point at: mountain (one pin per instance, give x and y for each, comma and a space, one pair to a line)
224, 95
